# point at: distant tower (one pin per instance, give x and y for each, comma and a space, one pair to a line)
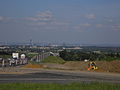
30, 42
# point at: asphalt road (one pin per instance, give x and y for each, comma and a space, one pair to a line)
52, 76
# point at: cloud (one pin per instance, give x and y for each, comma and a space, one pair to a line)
99, 25
110, 20
4, 19
60, 23
116, 27
82, 26
90, 16
42, 16
37, 24
40, 19
1, 18
46, 21
86, 25
47, 14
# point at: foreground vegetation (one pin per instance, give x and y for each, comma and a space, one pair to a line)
72, 86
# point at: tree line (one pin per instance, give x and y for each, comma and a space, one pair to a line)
80, 56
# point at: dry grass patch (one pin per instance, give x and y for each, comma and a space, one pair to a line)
34, 66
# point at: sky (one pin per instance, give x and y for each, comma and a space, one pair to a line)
58, 21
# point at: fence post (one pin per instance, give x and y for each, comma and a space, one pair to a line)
16, 61
3, 63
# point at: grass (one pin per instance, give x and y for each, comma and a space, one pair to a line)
33, 62
30, 55
50, 86
53, 59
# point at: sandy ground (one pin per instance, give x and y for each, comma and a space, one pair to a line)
103, 66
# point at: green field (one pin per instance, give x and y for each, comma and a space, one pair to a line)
72, 86
53, 59
30, 55
5, 56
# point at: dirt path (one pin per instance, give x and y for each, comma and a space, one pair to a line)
53, 76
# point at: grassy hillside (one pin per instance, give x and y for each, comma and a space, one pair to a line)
30, 55
53, 59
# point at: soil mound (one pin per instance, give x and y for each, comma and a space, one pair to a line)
103, 66
77, 65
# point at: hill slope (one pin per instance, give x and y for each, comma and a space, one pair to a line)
53, 59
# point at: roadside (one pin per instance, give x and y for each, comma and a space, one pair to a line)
69, 66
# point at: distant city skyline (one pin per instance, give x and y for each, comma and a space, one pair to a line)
90, 22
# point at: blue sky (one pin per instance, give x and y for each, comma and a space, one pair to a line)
57, 21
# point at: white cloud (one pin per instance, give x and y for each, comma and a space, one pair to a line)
45, 14
90, 16
117, 27
60, 23
3, 19
86, 25
42, 16
37, 24
82, 26
46, 21
8, 19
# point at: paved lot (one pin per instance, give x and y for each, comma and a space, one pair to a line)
58, 76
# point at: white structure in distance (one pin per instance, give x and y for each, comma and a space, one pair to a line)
15, 55
22, 56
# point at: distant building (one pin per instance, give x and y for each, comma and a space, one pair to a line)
73, 48
98, 52
15, 55
3, 47
22, 56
